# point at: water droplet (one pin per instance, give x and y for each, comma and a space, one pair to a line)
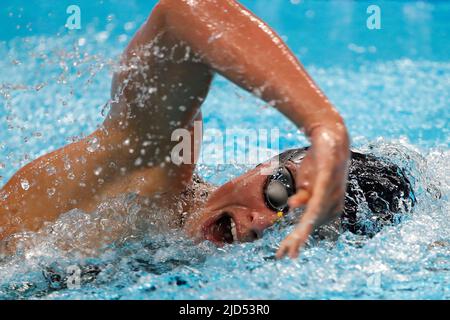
24, 184
67, 165
138, 162
81, 42
51, 192
98, 171
112, 165
102, 36
39, 86
129, 26
3, 195
215, 37
51, 170
93, 145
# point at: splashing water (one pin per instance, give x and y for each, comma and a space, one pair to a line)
53, 91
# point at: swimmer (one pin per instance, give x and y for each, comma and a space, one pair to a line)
164, 77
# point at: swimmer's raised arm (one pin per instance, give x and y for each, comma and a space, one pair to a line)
235, 43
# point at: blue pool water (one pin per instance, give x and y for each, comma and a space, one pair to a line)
391, 85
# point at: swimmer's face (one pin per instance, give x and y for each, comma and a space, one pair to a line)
243, 208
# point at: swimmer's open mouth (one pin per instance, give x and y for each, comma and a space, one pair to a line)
222, 230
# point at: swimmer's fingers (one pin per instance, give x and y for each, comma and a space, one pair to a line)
299, 199
291, 245
313, 216
321, 184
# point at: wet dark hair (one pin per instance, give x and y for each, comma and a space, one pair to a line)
377, 184
292, 154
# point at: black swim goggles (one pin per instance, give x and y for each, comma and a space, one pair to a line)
278, 188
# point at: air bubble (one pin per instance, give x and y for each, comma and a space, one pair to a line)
24, 184
50, 170
51, 192
93, 145
138, 162
98, 171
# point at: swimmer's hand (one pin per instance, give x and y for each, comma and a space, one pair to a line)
321, 184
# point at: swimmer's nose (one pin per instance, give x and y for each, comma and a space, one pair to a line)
261, 221
251, 223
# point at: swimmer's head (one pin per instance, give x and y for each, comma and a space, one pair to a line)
243, 208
